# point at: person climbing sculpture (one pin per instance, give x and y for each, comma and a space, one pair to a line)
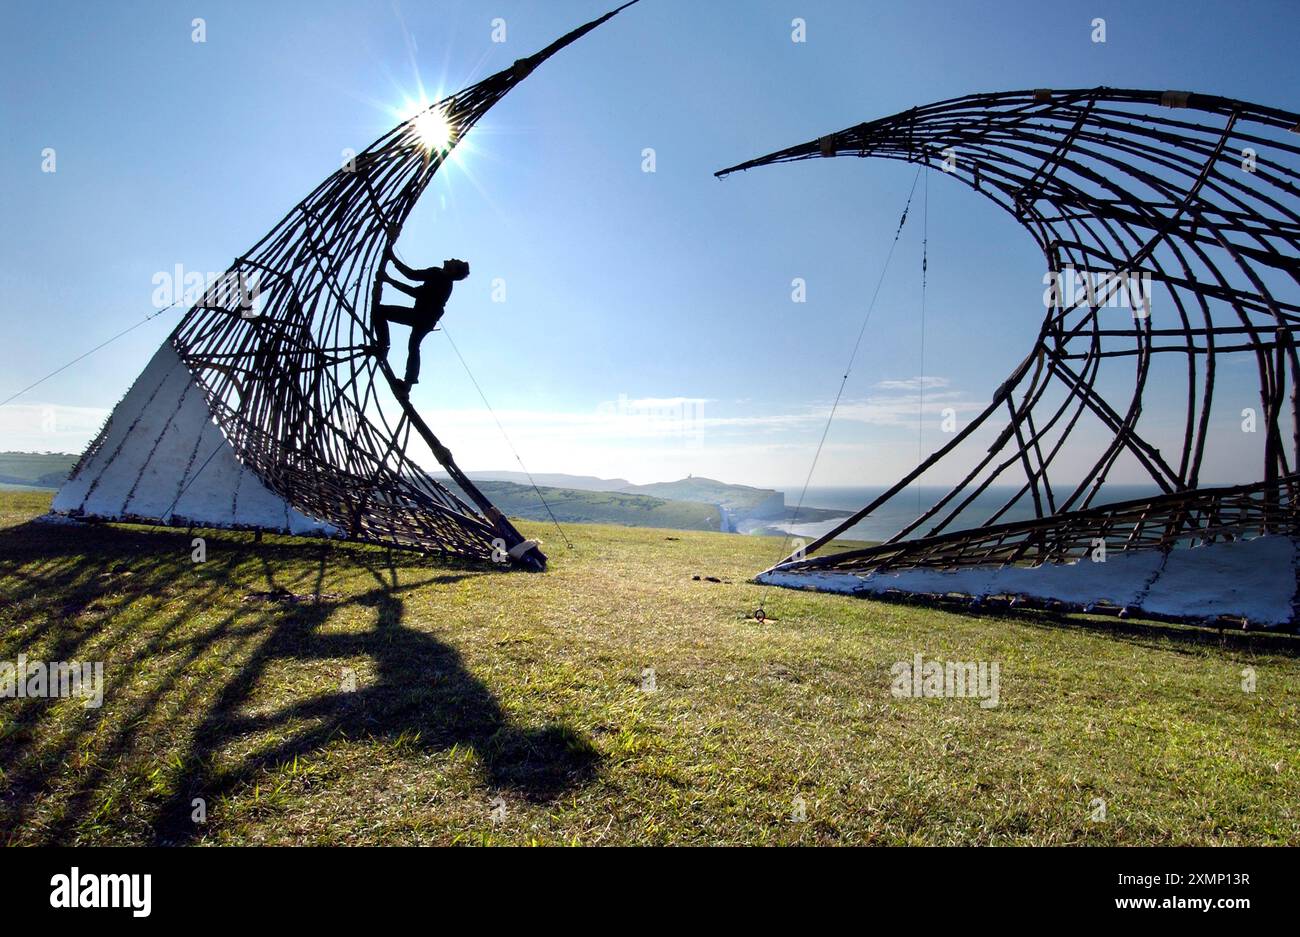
431, 292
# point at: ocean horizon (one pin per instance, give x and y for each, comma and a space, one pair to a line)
906, 506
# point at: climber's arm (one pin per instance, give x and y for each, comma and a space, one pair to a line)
408, 272
409, 290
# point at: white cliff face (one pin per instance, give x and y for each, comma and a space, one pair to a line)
771, 508
1254, 579
756, 516
162, 458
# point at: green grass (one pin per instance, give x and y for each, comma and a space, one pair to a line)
509, 708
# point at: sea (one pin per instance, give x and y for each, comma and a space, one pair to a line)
907, 505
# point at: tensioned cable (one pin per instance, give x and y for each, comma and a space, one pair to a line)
852, 358
193, 478
505, 435
920, 379
81, 357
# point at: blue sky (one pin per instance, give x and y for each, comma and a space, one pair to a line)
648, 330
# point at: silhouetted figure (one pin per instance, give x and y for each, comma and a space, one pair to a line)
431, 292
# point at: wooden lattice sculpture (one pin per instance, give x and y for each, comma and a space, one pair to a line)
1192, 195
264, 408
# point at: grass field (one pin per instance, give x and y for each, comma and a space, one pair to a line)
512, 708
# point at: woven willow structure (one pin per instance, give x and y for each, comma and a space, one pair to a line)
295, 383
1179, 213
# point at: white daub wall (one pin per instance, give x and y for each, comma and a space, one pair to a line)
1254, 579
164, 459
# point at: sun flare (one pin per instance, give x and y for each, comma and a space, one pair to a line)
434, 131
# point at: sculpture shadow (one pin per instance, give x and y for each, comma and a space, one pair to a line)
1149, 633
414, 689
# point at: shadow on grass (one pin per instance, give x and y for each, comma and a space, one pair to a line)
416, 691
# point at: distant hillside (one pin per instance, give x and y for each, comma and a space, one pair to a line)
741, 500
688, 504
743, 508
550, 479
35, 469
572, 506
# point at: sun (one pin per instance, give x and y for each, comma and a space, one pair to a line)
431, 126
434, 131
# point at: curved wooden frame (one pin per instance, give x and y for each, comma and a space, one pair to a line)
1195, 193
295, 388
